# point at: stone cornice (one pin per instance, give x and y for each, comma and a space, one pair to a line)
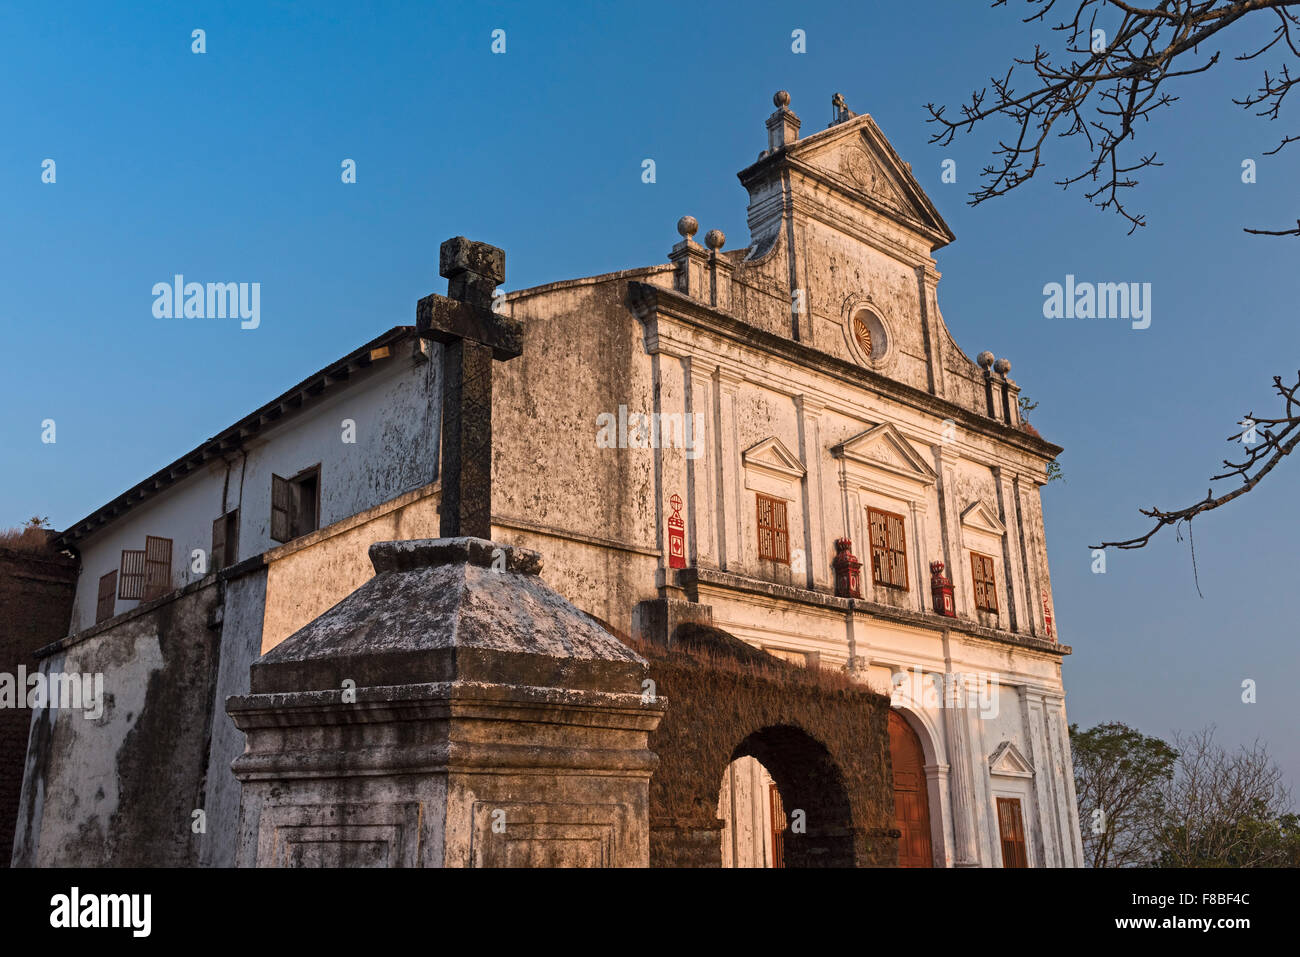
691, 579
646, 300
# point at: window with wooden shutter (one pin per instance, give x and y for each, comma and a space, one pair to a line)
888, 549
104, 602
130, 585
281, 503
1012, 828
986, 590
225, 541
218, 555
306, 501
157, 566
295, 504
773, 533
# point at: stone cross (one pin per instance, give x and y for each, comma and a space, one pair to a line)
472, 336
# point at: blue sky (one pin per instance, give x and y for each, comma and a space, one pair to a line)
226, 165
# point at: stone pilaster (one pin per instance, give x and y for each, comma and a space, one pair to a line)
1045, 794
701, 468
1011, 559
950, 520
927, 280
922, 562
962, 781
817, 545
730, 491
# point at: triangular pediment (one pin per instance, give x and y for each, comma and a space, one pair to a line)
1007, 759
771, 455
856, 157
883, 446
979, 516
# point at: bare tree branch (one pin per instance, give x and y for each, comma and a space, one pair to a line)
1277, 438
1100, 90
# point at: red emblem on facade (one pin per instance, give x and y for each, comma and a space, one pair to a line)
1047, 617
676, 534
848, 570
941, 590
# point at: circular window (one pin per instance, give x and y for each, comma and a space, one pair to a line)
863, 334
869, 335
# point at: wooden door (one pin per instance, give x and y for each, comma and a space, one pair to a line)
1011, 827
911, 801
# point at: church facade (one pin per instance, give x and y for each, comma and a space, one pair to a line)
782, 441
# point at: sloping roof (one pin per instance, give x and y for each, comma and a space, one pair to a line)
329, 380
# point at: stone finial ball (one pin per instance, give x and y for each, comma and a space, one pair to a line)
985, 359
714, 238
1002, 366
781, 99
688, 226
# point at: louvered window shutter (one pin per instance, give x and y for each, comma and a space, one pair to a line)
218, 556
157, 566
281, 504
104, 602
131, 580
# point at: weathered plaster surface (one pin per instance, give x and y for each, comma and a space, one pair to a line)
120, 790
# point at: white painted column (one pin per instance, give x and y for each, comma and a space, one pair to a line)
937, 789
701, 530
730, 496
1035, 723
962, 596
962, 784
922, 589
1011, 557
1067, 811
817, 546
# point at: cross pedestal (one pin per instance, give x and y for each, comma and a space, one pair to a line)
454, 711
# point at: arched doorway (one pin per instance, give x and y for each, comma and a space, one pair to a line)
789, 807
911, 803
753, 815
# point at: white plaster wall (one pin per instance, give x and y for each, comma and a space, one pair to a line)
396, 414
395, 408
183, 513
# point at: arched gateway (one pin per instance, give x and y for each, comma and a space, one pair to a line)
822, 739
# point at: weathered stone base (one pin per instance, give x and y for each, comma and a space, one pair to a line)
452, 712
455, 774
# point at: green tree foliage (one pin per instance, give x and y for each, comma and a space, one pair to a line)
1145, 802
1118, 775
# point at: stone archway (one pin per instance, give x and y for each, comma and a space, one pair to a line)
822, 737
819, 831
